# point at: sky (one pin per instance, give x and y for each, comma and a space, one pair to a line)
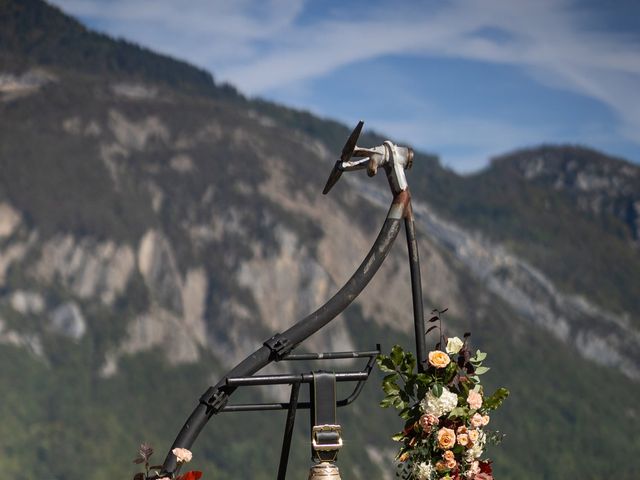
464, 79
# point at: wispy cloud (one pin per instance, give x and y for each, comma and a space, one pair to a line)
265, 46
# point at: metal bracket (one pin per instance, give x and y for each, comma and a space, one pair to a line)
214, 400
279, 346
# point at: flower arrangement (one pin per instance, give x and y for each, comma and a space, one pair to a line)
445, 411
144, 457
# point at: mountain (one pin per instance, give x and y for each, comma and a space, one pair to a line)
155, 227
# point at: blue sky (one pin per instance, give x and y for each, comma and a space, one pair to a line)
465, 79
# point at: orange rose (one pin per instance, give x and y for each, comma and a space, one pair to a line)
404, 457
450, 464
461, 429
439, 359
441, 466
446, 438
448, 455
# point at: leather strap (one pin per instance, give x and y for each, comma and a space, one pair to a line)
325, 432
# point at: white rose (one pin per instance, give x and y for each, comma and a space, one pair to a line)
182, 455
454, 345
473, 453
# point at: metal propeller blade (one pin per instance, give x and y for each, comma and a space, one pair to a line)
347, 152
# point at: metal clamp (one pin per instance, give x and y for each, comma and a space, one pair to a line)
326, 447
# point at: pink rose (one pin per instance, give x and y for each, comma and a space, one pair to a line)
485, 420
483, 476
476, 420
474, 400
427, 421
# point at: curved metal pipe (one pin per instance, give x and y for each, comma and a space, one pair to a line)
215, 397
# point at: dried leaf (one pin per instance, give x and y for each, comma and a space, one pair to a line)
145, 451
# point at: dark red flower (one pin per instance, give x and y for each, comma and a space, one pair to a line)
193, 475
485, 467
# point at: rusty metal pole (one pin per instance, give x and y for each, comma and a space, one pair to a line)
416, 288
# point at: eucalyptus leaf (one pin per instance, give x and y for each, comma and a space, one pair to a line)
481, 370
479, 356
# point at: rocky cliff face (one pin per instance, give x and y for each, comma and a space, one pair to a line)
597, 184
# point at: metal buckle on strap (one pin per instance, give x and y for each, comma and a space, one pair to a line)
325, 447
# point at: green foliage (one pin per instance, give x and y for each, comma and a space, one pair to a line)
496, 399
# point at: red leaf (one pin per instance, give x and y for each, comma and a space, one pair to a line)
193, 475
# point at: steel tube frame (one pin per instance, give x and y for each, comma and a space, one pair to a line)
276, 348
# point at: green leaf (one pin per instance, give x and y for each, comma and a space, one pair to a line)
389, 401
390, 388
405, 413
459, 412
481, 370
397, 355
385, 364
496, 399
398, 437
436, 389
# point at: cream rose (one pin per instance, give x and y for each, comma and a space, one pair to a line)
439, 359
446, 438
485, 420
182, 455
473, 435
454, 345
474, 469
463, 439
474, 400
